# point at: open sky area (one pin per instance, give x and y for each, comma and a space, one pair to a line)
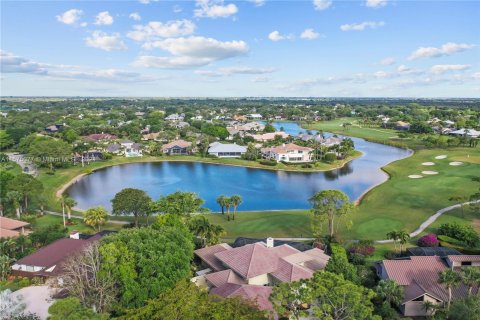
219, 48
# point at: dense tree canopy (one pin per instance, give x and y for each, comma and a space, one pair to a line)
133, 202
180, 203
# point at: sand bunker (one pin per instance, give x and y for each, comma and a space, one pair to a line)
428, 164
429, 172
415, 176
456, 163
441, 157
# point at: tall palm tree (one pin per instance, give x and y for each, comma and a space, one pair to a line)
471, 278
15, 198
221, 202
62, 203
228, 205
207, 232
69, 204
393, 235
403, 237
236, 201
390, 291
95, 217
449, 279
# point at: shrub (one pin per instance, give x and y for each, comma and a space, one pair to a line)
307, 165
363, 250
464, 233
330, 157
268, 162
429, 240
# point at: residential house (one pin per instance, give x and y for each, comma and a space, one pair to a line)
288, 153
327, 142
418, 275
134, 150
155, 136
49, 260
114, 148
269, 136
181, 124
175, 117
231, 150
54, 128
11, 228
472, 133
250, 271
401, 125
239, 118
99, 137
254, 116
177, 147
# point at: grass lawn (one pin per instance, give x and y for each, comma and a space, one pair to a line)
78, 225
260, 224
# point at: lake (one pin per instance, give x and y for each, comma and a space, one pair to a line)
260, 189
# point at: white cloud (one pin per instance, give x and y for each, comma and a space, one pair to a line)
276, 36
155, 30
214, 9
403, 68
321, 4
258, 3
381, 75
191, 52
104, 41
476, 76
135, 16
388, 61
147, 1
443, 68
11, 63
71, 16
309, 34
103, 18
362, 26
228, 71
261, 79
376, 3
445, 50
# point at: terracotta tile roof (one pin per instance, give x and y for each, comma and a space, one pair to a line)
251, 260
288, 272
286, 148
207, 254
464, 258
12, 224
421, 272
259, 294
177, 143
101, 136
5, 233
220, 278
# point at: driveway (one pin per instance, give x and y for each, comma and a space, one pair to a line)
37, 299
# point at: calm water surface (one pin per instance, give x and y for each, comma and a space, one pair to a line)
260, 189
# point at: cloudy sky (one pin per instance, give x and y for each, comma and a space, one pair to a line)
219, 48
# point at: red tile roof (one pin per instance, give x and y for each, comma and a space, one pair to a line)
220, 278
207, 254
5, 233
12, 224
464, 258
259, 294
286, 148
177, 143
288, 272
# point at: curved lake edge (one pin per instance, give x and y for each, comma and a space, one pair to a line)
212, 161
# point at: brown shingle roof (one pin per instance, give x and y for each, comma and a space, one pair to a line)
207, 254
12, 224
177, 143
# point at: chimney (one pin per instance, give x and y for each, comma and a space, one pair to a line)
75, 235
269, 242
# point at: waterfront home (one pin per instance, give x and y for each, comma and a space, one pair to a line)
98, 137
49, 260
288, 153
472, 133
114, 148
269, 136
328, 142
177, 147
401, 125
155, 136
418, 275
11, 228
254, 116
126, 143
135, 150
227, 150
250, 271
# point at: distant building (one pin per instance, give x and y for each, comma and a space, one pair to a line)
400, 125
98, 137
151, 136
177, 147
288, 153
231, 150
254, 116
11, 228
472, 133
114, 148
134, 150
175, 117
269, 136
54, 128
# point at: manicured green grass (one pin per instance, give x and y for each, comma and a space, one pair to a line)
78, 225
260, 224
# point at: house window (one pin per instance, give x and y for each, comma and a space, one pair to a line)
466, 263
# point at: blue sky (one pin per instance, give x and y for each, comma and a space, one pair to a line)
225, 48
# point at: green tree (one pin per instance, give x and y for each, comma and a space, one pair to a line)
269, 128
180, 203
236, 201
208, 233
5, 178
393, 235
465, 309
471, 278
95, 217
50, 153
228, 205
327, 205
5, 140
337, 298
187, 302
338, 263
15, 197
70, 135
449, 279
403, 238
27, 186
69, 204
390, 291
72, 309
221, 200
289, 299
145, 262
131, 201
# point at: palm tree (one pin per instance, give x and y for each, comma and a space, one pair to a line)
403, 236
471, 278
390, 291
69, 204
236, 201
429, 307
393, 235
221, 202
449, 279
228, 205
207, 232
15, 198
95, 217
62, 203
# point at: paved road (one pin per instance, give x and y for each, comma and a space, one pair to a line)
23, 162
